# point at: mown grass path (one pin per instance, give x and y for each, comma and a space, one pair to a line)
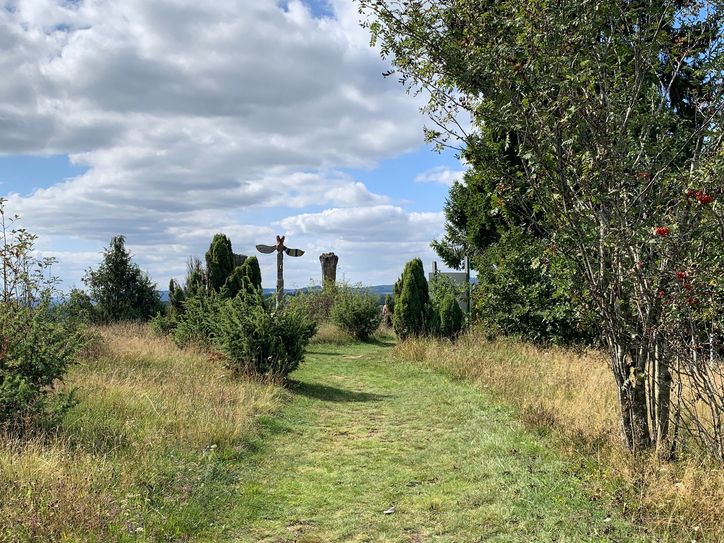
372, 449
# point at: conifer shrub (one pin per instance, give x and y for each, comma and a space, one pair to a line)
245, 278
36, 351
451, 317
261, 342
219, 262
357, 312
119, 289
413, 312
197, 323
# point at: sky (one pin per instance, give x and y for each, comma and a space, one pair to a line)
172, 120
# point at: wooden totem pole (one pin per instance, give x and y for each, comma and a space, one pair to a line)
280, 249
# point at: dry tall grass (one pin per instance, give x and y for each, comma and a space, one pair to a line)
572, 395
150, 417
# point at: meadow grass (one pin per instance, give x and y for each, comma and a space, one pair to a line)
571, 397
147, 454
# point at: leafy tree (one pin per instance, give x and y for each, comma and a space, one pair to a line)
119, 289
524, 291
613, 113
412, 304
219, 262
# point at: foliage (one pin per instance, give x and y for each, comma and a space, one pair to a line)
35, 352
119, 289
245, 278
197, 323
595, 126
451, 317
523, 291
313, 303
164, 323
257, 341
176, 295
36, 348
412, 305
77, 307
356, 311
195, 278
219, 262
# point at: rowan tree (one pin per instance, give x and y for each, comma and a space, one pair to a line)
613, 114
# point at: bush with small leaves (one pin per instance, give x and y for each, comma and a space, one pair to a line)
37, 344
357, 312
313, 303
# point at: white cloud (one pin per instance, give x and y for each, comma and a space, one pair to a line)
440, 174
188, 115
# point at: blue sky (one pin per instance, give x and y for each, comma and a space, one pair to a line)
169, 122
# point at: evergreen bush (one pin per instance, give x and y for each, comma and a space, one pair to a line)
245, 278
451, 317
413, 312
197, 323
257, 341
119, 289
219, 262
36, 351
37, 344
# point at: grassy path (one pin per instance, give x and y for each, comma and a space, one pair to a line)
369, 449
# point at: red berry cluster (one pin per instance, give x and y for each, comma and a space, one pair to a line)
700, 196
686, 285
662, 231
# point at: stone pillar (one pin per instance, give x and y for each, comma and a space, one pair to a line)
329, 268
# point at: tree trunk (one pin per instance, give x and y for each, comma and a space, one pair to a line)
329, 269
663, 395
628, 370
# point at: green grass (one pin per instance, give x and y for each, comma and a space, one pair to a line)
362, 434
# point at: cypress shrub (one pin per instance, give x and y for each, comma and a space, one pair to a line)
451, 317
246, 278
219, 262
412, 305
